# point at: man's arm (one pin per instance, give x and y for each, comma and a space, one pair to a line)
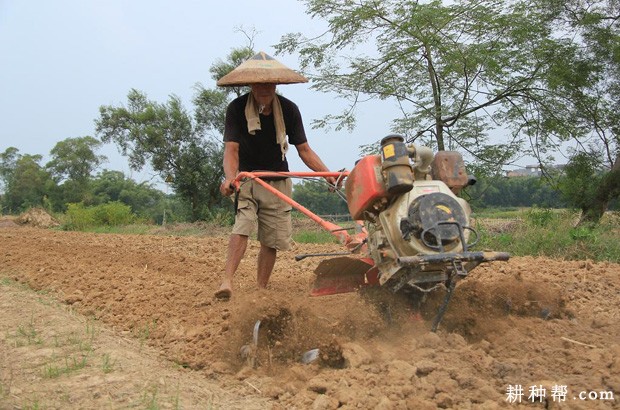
312, 160
231, 167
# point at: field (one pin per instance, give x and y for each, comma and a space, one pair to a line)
128, 321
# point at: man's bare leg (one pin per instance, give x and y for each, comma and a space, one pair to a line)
266, 261
237, 245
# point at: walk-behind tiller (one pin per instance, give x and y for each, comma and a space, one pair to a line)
412, 231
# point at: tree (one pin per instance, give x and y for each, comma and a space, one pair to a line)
8, 163
184, 149
164, 135
449, 67
583, 100
314, 196
501, 192
539, 71
26, 183
113, 186
75, 158
72, 163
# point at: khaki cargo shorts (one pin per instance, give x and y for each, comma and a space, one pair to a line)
256, 203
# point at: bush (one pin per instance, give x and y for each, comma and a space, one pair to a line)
80, 217
113, 214
540, 217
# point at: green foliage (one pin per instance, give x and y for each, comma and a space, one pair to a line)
501, 192
308, 236
590, 187
80, 217
166, 136
56, 367
583, 233
26, 184
498, 213
538, 217
552, 233
144, 200
113, 213
8, 164
536, 72
582, 100
181, 147
448, 66
108, 363
581, 178
221, 216
315, 196
220, 68
75, 159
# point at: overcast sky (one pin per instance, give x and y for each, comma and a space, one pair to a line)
63, 59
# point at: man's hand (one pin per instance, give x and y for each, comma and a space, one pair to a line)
333, 183
227, 188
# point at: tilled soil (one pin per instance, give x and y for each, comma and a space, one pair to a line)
529, 322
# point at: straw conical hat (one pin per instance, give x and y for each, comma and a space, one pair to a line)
261, 69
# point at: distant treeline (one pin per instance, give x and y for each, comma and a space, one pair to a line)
499, 192
502, 192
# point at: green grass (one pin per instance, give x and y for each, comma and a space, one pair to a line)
552, 233
133, 229
497, 213
304, 236
4, 281
32, 404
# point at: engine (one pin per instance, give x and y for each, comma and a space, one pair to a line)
418, 228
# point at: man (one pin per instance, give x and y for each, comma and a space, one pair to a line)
257, 125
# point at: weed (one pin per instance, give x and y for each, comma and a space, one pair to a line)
540, 217
32, 404
144, 332
149, 398
91, 331
81, 344
582, 233
176, 404
107, 364
51, 371
29, 333
55, 368
551, 233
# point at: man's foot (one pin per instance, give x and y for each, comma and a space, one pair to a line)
223, 294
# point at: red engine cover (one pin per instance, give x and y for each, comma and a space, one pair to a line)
364, 186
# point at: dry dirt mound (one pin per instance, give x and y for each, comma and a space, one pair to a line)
526, 322
7, 221
38, 218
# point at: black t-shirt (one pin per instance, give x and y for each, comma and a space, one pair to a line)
261, 152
